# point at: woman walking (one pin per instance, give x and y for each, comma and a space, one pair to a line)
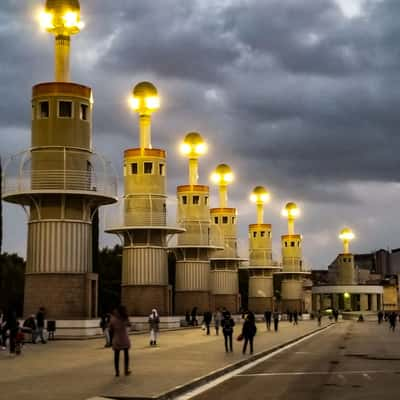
227, 329
217, 320
249, 331
154, 324
119, 324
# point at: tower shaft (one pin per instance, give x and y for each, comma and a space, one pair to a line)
145, 131
260, 213
223, 196
193, 171
62, 58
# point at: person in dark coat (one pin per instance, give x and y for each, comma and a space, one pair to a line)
12, 327
119, 325
380, 317
193, 314
249, 330
392, 321
29, 326
268, 318
207, 318
227, 324
40, 317
276, 320
295, 318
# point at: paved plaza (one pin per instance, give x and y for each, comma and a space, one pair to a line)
78, 370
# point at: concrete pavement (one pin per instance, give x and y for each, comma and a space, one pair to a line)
83, 369
350, 361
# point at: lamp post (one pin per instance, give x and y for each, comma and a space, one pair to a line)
193, 146
62, 18
145, 101
260, 196
222, 176
291, 212
346, 236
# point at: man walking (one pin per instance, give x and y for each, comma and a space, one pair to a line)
276, 320
207, 318
227, 329
268, 317
40, 317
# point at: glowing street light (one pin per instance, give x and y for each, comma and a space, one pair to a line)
291, 212
144, 100
260, 196
222, 176
346, 236
193, 146
62, 18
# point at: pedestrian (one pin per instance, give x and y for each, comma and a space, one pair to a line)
268, 317
29, 326
193, 315
217, 320
40, 318
12, 328
295, 318
3, 332
119, 324
380, 317
207, 318
249, 331
276, 320
319, 316
154, 325
392, 321
227, 324
187, 317
290, 316
104, 322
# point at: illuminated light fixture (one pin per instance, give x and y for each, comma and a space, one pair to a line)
346, 234
144, 98
193, 145
291, 210
70, 19
152, 102
346, 295
134, 103
46, 20
260, 195
222, 175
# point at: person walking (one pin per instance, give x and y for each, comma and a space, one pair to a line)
104, 322
3, 332
40, 318
392, 321
217, 320
268, 317
249, 330
295, 318
207, 318
380, 317
227, 324
276, 320
29, 326
319, 316
193, 315
12, 327
154, 325
119, 324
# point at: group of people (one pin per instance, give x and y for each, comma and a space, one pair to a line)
12, 331
391, 317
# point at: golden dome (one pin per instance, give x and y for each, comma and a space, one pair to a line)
222, 175
144, 89
193, 145
259, 195
60, 6
291, 210
193, 138
346, 234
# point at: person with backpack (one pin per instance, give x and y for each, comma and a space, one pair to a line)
227, 329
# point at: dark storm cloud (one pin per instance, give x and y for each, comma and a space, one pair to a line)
293, 93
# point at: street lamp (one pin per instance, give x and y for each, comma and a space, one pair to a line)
346, 235
222, 176
193, 146
62, 18
291, 212
260, 196
145, 101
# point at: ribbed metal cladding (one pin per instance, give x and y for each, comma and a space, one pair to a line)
192, 275
59, 247
261, 286
145, 266
224, 282
292, 289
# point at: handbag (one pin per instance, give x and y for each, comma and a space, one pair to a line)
239, 338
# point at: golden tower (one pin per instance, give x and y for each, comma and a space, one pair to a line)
224, 266
144, 231
62, 182
261, 266
346, 270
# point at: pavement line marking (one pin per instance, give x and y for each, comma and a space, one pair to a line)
229, 375
339, 374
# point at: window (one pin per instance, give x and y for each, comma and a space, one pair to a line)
134, 169
233, 220
254, 234
285, 244
298, 244
196, 200
161, 169
206, 200
44, 109
292, 244
65, 109
215, 220
262, 233
84, 112
184, 199
224, 220
148, 167
269, 234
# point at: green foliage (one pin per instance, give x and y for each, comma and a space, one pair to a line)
12, 270
109, 269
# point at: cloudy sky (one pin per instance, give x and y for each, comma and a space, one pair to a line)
302, 96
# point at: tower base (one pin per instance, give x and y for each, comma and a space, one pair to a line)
185, 301
259, 305
228, 301
291, 305
64, 296
140, 300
